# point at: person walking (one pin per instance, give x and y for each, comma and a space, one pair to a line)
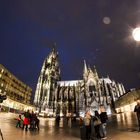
57, 120
82, 128
97, 124
26, 120
37, 121
19, 121
32, 120
93, 133
103, 118
137, 110
87, 123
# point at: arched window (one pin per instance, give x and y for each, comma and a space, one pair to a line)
91, 88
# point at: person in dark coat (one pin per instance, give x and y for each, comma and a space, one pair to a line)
97, 127
32, 120
37, 122
137, 110
104, 118
57, 119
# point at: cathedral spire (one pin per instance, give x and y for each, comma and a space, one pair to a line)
90, 72
95, 71
85, 67
47, 81
54, 47
85, 71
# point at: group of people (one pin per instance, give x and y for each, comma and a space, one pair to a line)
30, 119
93, 127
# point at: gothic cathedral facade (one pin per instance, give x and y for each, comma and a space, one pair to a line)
77, 96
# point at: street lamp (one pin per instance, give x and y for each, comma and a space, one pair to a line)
136, 34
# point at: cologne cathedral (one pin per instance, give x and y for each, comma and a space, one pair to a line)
76, 96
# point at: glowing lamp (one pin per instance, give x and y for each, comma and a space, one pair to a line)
136, 34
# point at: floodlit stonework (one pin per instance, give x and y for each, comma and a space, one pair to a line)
54, 96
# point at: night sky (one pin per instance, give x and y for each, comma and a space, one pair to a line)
98, 31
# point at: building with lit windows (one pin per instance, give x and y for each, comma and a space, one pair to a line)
76, 96
127, 102
18, 94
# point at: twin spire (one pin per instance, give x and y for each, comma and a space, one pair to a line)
88, 70
85, 67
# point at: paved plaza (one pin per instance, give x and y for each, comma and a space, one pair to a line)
120, 127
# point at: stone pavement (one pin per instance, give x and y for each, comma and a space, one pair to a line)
120, 127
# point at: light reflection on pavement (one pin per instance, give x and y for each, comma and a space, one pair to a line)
120, 127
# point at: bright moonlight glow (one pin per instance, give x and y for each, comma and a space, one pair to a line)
136, 34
